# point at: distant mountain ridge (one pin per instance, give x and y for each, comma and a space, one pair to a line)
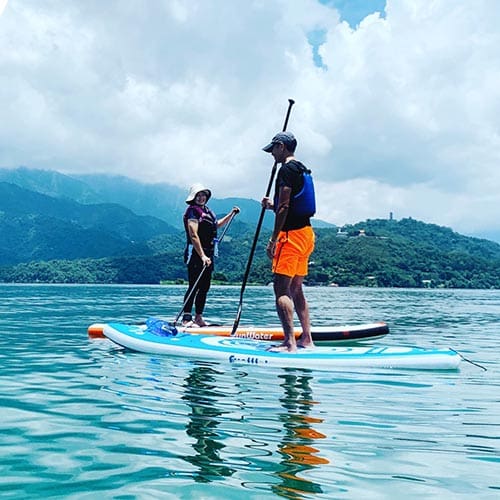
50, 183
35, 226
158, 200
47, 236
381, 253
161, 200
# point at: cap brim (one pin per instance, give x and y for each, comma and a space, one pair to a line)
268, 148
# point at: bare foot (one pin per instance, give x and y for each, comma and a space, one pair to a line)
198, 319
282, 348
305, 343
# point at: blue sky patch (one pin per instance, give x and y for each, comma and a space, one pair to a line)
354, 11
351, 11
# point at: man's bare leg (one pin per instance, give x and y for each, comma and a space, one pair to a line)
302, 310
284, 307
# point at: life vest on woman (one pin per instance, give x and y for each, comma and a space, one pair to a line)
207, 230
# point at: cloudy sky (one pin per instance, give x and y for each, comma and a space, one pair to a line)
397, 102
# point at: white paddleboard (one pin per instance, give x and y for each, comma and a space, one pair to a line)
251, 352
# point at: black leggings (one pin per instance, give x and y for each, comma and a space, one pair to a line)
199, 294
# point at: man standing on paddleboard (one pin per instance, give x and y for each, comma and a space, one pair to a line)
292, 239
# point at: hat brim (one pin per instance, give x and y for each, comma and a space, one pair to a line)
192, 195
269, 147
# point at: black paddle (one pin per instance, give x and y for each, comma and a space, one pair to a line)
226, 227
291, 102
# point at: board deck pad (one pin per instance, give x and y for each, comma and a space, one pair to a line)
240, 351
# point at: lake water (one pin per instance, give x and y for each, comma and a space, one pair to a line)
84, 419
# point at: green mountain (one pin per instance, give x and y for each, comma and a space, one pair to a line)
50, 183
162, 200
168, 202
406, 253
47, 234
35, 226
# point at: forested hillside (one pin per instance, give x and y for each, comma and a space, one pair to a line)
52, 230
405, 253
387, 253
34, 226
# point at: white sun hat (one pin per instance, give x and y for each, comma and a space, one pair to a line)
195, 189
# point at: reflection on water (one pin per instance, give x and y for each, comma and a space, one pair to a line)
81, 419
298, 446
299, 454
203, 397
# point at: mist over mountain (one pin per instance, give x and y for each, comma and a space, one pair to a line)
163, 201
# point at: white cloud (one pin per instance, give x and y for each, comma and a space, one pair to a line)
403, 116
3, 4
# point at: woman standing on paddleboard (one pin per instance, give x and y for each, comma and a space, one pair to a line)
201, 226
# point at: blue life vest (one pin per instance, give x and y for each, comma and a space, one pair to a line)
304, 202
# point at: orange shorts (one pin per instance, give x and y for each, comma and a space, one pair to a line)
293, 249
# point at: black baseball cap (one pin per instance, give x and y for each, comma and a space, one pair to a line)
286, 138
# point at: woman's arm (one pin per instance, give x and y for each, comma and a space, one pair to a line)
225, 219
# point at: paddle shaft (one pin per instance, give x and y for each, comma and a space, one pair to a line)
291, 102
226, 227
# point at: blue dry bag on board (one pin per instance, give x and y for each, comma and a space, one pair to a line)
160, 327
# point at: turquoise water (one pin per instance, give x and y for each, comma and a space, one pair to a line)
83, 419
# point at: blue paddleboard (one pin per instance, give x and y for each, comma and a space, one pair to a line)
244, 351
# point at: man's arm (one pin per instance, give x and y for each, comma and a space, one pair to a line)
280, 218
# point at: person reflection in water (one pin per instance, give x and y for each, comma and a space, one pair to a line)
299, 454
203, 397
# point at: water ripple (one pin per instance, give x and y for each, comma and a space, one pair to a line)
82, 418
